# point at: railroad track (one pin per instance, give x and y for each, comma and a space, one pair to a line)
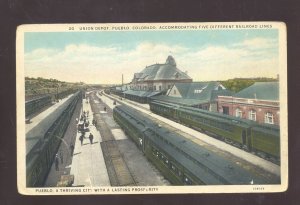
120, 101
117, 169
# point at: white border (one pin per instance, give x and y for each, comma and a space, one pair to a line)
21, 166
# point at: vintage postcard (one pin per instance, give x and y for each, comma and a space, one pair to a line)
152, 108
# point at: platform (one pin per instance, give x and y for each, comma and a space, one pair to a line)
88, 165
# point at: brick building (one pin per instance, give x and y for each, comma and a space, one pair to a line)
259, 102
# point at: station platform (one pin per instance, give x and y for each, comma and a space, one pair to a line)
257, 161
88, 165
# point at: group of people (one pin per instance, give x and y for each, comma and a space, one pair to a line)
82, 137
84, 118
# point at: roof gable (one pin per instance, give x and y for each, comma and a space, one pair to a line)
205, 91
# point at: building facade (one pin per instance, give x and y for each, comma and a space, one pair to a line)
259, 102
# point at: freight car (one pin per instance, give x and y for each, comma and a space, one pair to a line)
180, 160
43, 140
249, 135
35, 105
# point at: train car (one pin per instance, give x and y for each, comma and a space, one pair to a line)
43, 140
243, 133
35, 105
180, 160
265, 140
64, 93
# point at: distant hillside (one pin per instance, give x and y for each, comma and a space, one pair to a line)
238, 84
40, 86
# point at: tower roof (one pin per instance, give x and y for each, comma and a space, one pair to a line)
167, 71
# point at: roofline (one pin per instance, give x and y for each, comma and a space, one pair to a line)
249, 98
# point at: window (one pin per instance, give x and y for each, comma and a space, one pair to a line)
225, 110
252, 115
160, 88
175, 92
238, 113
187, 180
154, 87
269, 119
198, 91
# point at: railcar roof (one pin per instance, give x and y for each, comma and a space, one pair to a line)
227, 169
42, 123
38, 98
202, 157
141, 93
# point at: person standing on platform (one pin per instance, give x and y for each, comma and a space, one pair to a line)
61, 157
72, 149
81, 139
91, 137
56, 161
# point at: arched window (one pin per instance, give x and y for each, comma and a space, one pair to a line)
238, 113
269, 118
252, 115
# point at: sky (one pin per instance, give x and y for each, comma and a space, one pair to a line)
102, 57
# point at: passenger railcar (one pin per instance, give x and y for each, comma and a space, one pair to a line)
33, 106
180, 160
43, 140
246, 134
64, 93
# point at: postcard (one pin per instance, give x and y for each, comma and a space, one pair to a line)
152, 108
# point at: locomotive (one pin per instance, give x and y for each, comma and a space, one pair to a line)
262, 139
179, 158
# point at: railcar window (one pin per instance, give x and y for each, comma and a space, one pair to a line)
187, 180
174, 168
